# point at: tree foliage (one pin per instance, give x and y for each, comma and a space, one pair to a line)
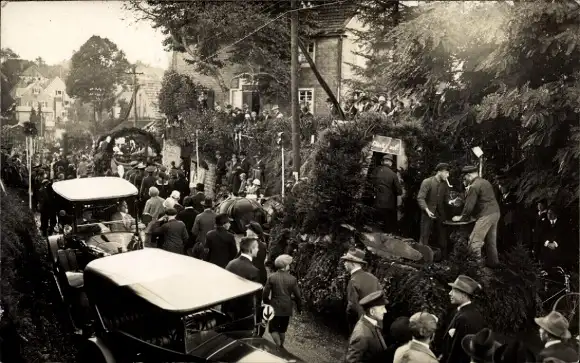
219, 33
97, 70
178, 94
503, 77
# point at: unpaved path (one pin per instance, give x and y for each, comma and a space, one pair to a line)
314, 342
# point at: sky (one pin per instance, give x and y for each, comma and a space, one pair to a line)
54, 30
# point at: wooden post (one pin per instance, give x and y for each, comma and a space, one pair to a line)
29, 162
196, 153
294, 86
283, 172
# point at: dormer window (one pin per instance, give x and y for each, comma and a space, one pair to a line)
36, 91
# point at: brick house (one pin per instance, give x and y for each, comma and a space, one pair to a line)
332, 49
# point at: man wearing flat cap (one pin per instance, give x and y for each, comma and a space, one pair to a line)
554, 332
481, 205
432, 196
467, 320
361, 284
366, 343
387, 188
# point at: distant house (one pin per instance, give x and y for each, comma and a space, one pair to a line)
35, 90
333, 49
147, 94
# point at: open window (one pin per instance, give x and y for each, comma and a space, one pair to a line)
311, 48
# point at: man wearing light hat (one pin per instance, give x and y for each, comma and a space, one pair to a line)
283, 288
431, 198
553, 331
366, 343
360, 285
481, 204
467, 320
423, 327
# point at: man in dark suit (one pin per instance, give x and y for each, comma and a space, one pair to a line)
187, 216
245, 163
554, 248
220, 243
432, 198
148, 182
366, 343
387, 188
360, 285
553, 332
242, 266
204, 222
467, 320
220, 168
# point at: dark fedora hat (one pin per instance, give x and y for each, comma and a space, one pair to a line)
514, 352
469, 169
354, 255
442, 166
465, 284
480, 346
376, 298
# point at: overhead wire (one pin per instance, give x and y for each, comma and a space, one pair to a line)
266, 24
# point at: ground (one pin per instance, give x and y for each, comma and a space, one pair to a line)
314, 342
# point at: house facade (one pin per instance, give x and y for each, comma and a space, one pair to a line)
35, 90
333, 49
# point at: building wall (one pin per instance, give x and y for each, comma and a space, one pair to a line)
327, 63
351, 46
178, 64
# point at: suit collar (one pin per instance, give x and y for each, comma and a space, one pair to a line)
421, 347
246, 256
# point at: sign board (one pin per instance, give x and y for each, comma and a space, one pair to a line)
268, 312
387, 145
336, 123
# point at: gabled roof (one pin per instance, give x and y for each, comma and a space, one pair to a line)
333, 19
30, 71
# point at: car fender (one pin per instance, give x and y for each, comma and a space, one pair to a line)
53, 247
96, 346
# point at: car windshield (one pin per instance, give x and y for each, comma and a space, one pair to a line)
108, 216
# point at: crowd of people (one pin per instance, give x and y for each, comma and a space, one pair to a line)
466, 338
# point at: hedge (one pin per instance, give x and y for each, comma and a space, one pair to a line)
27, 288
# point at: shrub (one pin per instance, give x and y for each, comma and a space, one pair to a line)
26, 285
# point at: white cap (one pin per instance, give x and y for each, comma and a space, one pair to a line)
382, 98
257, 182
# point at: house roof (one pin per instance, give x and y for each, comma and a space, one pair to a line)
30, 71
333, 19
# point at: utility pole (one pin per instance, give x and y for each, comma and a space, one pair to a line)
134, 73
294, 87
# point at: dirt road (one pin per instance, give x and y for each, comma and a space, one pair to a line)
314, 342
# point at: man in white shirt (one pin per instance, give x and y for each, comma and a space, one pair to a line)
422, 326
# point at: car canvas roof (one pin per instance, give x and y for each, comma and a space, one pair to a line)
97, 188
168, 280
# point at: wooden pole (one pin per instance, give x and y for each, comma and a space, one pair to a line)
481, 166
29, 162
294, 87
135, 95
283, 172
196, 154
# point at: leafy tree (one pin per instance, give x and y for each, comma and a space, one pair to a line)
178, 94
97, 70
7, 53
40, 62
203, 28
496, 75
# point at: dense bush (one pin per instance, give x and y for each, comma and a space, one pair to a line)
508, 307
27, 286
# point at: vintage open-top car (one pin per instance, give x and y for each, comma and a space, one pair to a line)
93, 224
157, 306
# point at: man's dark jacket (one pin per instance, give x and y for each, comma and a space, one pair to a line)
480, 200
433, 194
187, 216
560, 351
221, 246
366, 343
465, 321
360, 285
244, 306
148, 182
387, 187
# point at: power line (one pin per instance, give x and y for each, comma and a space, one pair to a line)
265, 25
